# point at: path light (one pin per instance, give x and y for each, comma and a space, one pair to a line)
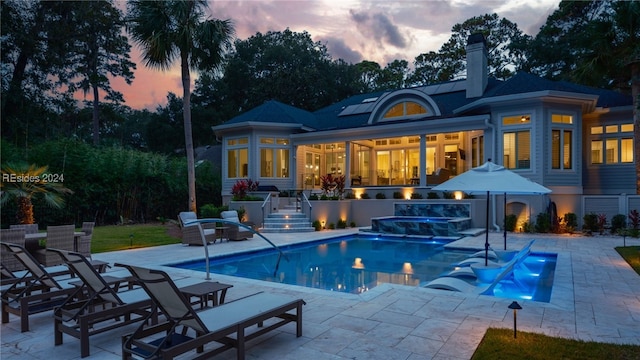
515, 306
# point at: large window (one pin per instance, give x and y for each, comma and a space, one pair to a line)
274, 157
517, 142
238, 158
403, 109
611, 144
561, 141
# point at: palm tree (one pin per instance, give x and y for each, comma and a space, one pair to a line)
22, 182
166, 30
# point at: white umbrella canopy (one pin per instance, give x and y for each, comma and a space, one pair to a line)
491, 178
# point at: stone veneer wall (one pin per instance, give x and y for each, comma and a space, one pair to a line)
446, 210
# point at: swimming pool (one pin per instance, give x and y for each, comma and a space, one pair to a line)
357, 263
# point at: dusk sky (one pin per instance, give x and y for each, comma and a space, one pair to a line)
353, 30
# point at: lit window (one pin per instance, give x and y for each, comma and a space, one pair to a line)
595, 130
274, 157
407, 108
626, 150
561, 149
611, 151
238, 161
610, 129
596, 152
516, 120
626, 128
517, 150
561, 119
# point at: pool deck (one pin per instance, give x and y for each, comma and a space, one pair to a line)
596, 296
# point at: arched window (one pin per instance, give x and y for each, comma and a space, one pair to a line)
404, 109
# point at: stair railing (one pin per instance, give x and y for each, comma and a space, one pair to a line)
305, 201
264, 203
248, 227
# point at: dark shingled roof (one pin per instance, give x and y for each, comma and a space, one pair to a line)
524, 82
275, 111
327, 118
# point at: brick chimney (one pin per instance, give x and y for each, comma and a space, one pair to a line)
477, 72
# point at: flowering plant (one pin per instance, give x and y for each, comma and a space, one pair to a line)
241, 187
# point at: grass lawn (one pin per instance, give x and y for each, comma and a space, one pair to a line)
632, 255
500, 344
122, 237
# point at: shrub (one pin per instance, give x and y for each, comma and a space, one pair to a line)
342, 224
527, 227
313, 197
331, 226
570, 222
543, 223
317, 225
602, 222
212, 211
324, 197
618, 222
448, 195
381, 196
398, 195
352, 224
365, 196
433, 195
350, 196
590, 223
634, 222
510, 222
416, 195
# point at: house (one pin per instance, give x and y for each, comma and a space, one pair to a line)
576, 140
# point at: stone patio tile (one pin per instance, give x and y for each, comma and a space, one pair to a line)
435, 329
420, 346
391, 317
388, 335
370, 349
333, 340
351, 323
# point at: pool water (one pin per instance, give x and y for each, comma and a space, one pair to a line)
357, 263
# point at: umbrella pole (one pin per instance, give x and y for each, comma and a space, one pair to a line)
486, 238
505, 221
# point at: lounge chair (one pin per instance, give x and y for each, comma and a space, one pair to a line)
192, 235
463, 268
14, 236
456, 284
96, 306
235, 232
41, 291
215, 325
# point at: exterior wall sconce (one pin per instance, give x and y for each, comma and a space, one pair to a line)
515, 306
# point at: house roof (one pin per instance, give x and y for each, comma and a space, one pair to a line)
355, 111
273, 111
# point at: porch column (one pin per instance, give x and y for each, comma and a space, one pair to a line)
423, 160
347, 164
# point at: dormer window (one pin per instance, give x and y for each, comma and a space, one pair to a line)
405, 109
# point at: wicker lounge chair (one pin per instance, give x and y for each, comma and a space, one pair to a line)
84, 242
191, 235
96, 306
41, 291
58, 237
234, 231
187, 330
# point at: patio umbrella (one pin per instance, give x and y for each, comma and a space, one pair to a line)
491, 178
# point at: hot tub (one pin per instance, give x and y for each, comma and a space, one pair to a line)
419, 225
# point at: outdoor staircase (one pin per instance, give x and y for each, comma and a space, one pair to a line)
287, 220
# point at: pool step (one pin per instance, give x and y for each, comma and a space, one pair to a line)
285, 221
